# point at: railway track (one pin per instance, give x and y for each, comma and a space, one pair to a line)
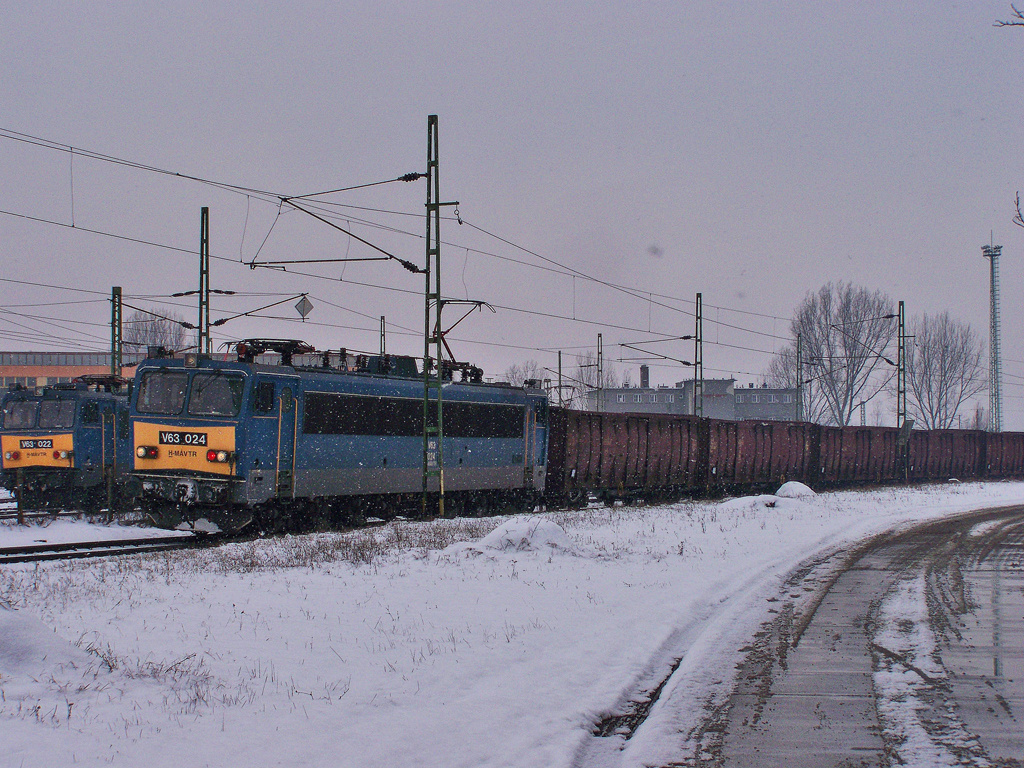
75, 550
35, 514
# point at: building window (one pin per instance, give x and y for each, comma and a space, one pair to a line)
755, 398
739, 398
620, 398
670, 398
637, 398
652, 398
771, 398
787, 398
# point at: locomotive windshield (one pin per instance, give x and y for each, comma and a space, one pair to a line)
162, 392
216, 394
20, 414
56, 414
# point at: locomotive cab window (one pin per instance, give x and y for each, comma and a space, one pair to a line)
20, 414
90, 413
162, 392
263, 397
215, 394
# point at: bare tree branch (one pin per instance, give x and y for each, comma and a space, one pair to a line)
518, 373
586, 375
142, 330
845, 332
781, 373
1016, 21
943, 370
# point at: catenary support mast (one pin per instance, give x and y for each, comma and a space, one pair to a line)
204, 345
698, 358
116, 330
433, 362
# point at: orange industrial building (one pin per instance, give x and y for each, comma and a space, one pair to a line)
34, 370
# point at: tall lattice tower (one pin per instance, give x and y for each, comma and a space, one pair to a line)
995, 393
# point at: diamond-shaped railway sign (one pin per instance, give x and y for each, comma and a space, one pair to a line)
304, 307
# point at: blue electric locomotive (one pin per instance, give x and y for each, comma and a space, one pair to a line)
67, 447
293, 446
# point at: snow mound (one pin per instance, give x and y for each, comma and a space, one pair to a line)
526, 534
29, 646
744, 503
794, 490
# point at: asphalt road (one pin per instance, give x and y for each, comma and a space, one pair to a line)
848, 674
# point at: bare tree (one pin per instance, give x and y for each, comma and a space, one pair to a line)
584, 378
143, 330
781, 373
943, 370
518, 373
586, 371
845, 330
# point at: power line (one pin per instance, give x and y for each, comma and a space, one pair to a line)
38, 141
636, 293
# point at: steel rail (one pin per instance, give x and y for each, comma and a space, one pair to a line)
75, 550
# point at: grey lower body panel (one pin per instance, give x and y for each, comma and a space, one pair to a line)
378, 480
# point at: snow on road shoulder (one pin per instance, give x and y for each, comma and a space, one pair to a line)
918, 720
455, 643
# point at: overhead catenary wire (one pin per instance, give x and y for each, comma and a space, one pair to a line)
556, 267
270, 196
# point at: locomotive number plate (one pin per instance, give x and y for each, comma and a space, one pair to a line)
182, 438
28, 445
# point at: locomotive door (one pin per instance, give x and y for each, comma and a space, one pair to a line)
286, 424
108, 436
529, 454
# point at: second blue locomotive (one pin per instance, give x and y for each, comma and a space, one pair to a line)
67, 446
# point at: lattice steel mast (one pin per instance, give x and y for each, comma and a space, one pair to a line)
995, 394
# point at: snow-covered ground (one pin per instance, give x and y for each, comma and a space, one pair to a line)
496, 642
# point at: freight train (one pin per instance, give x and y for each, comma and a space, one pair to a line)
322, 439
648, 457
67, 448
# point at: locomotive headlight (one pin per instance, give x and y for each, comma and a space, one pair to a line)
62, 455
13, 455
146, 452
218, 457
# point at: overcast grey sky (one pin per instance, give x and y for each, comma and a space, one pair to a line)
749, 151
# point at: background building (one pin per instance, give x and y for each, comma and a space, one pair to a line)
33, 370
765, 403
722, 400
